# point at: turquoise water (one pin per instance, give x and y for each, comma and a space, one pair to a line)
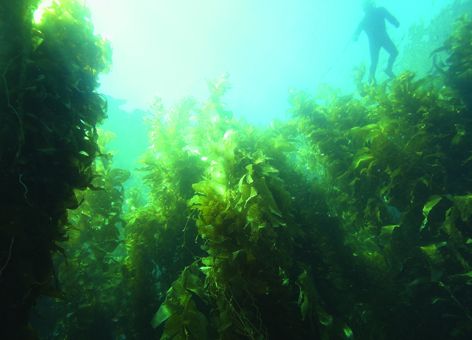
171, 50
266, 50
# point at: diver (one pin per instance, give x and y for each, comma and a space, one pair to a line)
373, 24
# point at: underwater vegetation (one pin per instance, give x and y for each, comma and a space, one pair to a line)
350, 220
425, 38
458, 64
92, 255
49, 110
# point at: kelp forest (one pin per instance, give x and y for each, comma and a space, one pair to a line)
350, 220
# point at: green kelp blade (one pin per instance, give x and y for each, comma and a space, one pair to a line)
192, 282
348, 333
388, 229
432, 250
386, 233
364, 132
162, 314
432, 202
252, 194
175, 328
464, 204
362, 158
465, 278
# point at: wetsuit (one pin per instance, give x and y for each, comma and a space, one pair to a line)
374, 26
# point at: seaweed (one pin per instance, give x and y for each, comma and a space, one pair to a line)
49, 111
397, 164
84, 307
458, 64
350, 220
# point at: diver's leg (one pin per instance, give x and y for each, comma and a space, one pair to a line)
374, 60
392, 50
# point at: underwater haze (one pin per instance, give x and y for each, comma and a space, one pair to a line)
171, 49
222, 169
267, 49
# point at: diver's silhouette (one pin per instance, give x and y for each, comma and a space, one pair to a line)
373, 24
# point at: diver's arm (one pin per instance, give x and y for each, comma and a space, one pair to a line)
391, 18
358, 31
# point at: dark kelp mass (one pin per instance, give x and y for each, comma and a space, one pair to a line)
350, 220
49, 110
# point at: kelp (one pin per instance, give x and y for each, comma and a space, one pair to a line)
90, 270
182, 318
243, 229
397, 164
457, 69
357, 209
350, 220
425, 38
49, 109
245, 226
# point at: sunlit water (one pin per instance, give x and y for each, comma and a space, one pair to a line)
171, 49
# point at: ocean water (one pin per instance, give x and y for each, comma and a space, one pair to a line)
251, 179
266, 50
173, 50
